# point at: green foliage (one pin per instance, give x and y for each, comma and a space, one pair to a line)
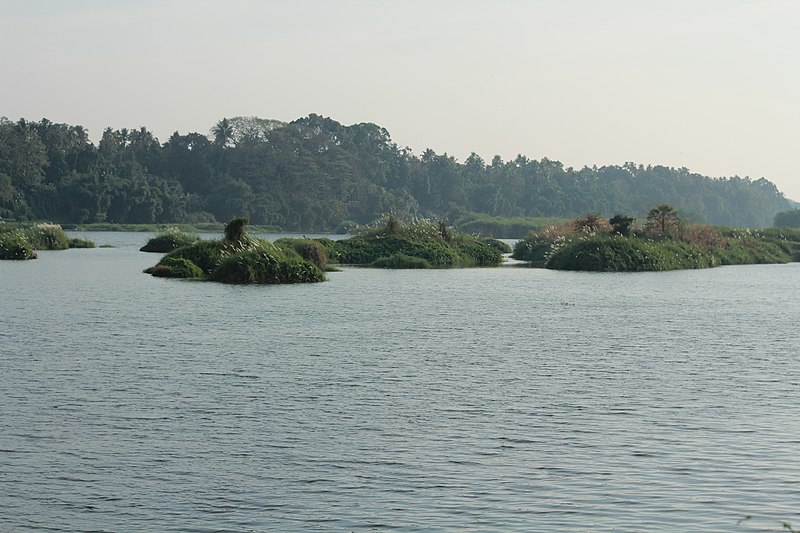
14, 246
392, 225
175, 267
311, 250
602, 253
47, 237
80, 243
234, 229
621, 224
239, 260
345, 227
400, 261
533, 251
745, 247
315, 173
787, 219
263, 266
787, 239
500, 246
207, 254
662, 220
689, 246
536, 247
422, 240
170, 239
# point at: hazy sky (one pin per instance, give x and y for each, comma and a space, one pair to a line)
712, 85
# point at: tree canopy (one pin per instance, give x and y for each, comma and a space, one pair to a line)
315, 173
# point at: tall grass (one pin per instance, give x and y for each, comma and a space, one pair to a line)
45, 236
14, 246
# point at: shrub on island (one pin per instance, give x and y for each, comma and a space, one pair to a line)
628, 254
14, 246
500, 246
46, 237
21, 242
313, 250
665, 243
264, 265
80, 243
238, 258
176, 267
170, 239
436, 244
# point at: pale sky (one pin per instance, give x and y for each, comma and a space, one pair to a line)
711, 85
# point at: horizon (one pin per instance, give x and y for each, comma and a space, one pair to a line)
706, 86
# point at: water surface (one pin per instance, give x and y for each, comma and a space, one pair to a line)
505, 399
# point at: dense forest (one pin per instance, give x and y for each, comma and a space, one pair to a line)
315, 173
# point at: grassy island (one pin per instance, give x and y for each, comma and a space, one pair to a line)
392, 244
20, 242
665, 242
238, 258
169, 239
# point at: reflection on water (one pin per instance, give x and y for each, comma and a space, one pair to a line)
499, 399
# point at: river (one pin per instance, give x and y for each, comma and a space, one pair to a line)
502, 399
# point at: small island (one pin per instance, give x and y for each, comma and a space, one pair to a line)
20, 242
665, 242
390, 243
238, 258
171, 238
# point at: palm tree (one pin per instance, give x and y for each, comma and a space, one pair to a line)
223, 132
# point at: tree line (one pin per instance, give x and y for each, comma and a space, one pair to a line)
315, 173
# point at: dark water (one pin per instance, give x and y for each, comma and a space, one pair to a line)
502, 399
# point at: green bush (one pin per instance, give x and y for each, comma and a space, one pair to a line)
175, 267
14, 246
749, 251
689, 246
205, 254
500, 246
238, 259
262, 267
169, 240
532, 249
311, 250
346, 227
441, 249
80, 243
400, 261
234, 229
47, 237
627, 254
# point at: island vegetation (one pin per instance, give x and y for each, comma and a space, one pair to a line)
239, 259
171, 238
787, 219
21, 241
390, 243
663, 242
315, 174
